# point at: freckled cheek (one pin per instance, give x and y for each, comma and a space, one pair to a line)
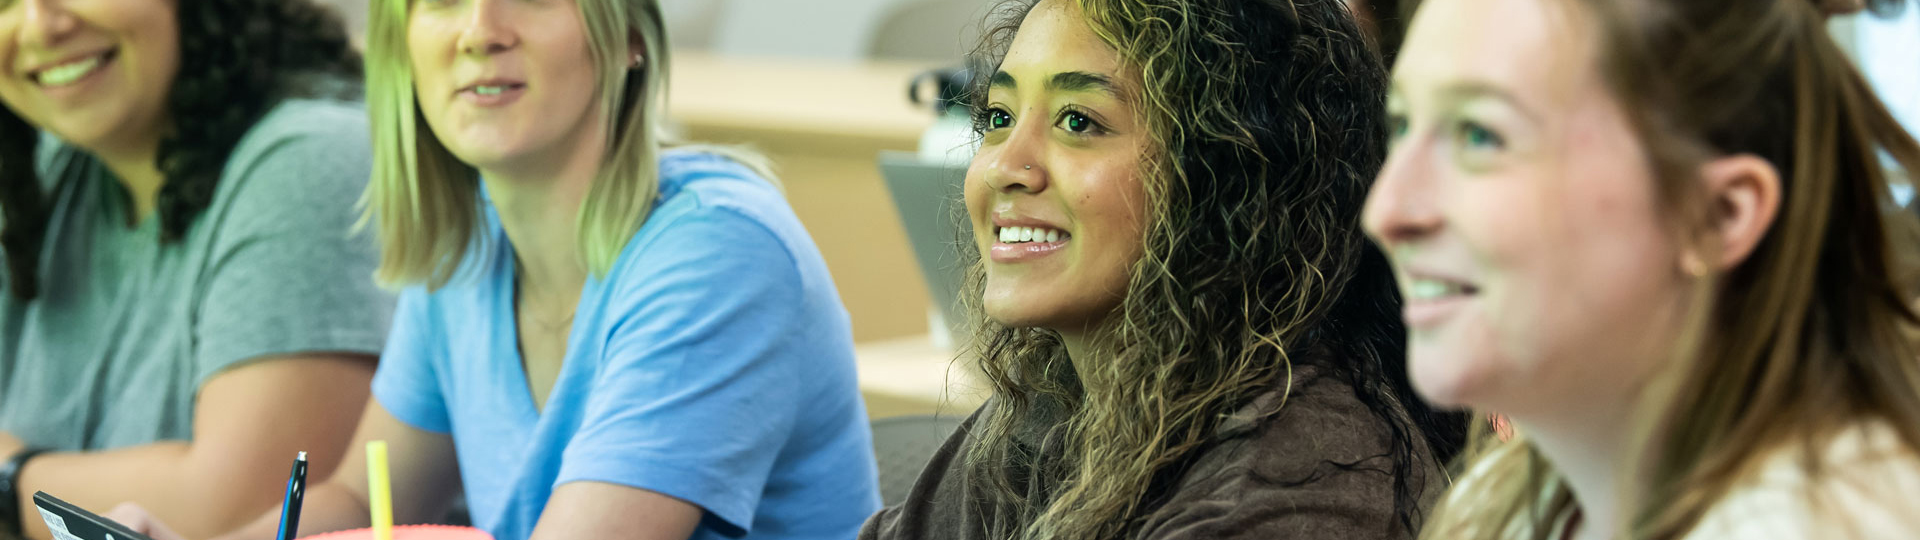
1511, 237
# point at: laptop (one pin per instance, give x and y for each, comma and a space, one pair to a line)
927, 196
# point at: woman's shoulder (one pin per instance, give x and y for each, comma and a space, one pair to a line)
1861, 485
1315, 416
1305, 458
1306, 428
716, 177
314, 128
709, 193
315, 151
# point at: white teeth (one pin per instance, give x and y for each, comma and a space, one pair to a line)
66, 74
1427, 289
489, 90
1015, 235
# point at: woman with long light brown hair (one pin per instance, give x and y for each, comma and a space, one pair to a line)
1657, 235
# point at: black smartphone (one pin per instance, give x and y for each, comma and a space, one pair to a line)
69, 522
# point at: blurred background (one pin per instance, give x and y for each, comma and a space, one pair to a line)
821, 87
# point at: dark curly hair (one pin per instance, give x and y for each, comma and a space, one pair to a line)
1268, 122
238, 58
1390, 18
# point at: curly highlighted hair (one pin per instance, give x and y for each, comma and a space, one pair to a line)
1268, 124
237, 59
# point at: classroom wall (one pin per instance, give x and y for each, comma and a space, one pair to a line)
820, 29
1888, 50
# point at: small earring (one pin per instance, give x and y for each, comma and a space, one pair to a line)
1029, 167
1693, 266
638, 60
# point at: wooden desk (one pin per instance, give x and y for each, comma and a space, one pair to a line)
822, 123
911, 375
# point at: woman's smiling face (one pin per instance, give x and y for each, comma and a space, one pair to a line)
95, 73
505, 84
1520, 210
1055, 194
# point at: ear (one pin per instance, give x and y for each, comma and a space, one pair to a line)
1744, 193
636, 50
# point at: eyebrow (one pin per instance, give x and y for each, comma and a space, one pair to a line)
1467, 90
1067, 81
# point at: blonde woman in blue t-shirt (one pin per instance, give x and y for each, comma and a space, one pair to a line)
602, 338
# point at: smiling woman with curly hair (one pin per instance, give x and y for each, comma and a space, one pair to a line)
183, 308
1185, 329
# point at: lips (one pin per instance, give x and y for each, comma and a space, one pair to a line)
491, 87
71, 70
1024, 239
1433, 298
1019, 235
492, 93
1425, 288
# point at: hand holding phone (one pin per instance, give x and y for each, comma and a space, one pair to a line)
137, 518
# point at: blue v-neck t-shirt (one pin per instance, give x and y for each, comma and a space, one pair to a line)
713, 364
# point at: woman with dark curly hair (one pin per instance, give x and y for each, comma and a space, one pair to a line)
183, 309
1186, 332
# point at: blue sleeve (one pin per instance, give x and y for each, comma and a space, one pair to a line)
407, 384
697, 397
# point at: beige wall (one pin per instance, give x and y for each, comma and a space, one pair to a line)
817, 29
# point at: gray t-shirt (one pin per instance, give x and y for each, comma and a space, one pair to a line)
126, 330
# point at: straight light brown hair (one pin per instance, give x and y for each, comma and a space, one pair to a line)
1810, 335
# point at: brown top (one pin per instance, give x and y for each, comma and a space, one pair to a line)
1315, 468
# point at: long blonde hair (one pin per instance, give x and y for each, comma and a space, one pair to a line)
425, 202
1807, 336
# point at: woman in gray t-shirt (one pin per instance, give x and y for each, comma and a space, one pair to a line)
181, 307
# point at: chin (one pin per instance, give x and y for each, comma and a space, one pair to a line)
1448, 379
86, 130
477, 154
1014, 316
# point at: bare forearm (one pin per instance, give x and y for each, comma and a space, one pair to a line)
328, 508
158, 476
248, 425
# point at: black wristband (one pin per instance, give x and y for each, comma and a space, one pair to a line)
10, 509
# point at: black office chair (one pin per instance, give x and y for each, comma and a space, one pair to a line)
902, 445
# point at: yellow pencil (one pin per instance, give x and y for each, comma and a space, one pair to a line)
379, 490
